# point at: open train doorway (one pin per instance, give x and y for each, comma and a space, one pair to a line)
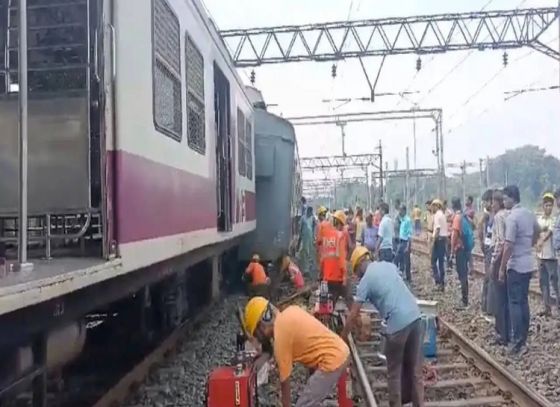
223, 149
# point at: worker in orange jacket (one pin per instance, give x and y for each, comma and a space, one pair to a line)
323, 225
333, 258
255, 276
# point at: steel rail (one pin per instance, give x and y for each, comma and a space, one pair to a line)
360, 369
518, 391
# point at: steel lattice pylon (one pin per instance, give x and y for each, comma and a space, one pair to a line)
391, 36
346, 162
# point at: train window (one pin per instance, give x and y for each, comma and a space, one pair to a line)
58, 58
168, 116
249, 149
194, 71
241, 142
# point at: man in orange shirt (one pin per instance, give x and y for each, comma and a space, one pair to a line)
334, 249
312, 344
257, 278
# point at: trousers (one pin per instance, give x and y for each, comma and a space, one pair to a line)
548, 274
319, 386
403, 259
405, 361
438, 260
518, 299
462, 261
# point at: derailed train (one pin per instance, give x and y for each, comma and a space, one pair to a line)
151, 172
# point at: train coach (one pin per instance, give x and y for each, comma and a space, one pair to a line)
141, 171
278, 185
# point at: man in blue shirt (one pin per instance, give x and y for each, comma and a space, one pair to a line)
381, 285
405, 240
518, 263
385, 233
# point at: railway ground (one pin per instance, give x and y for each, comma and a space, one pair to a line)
540, 367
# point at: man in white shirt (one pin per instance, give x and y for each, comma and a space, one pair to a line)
440, 239
548, 266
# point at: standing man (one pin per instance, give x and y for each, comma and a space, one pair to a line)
417, 218
469, 210
323, 225
360, 224
381, 285
386, 234
439, 248
548, 266
369, 234
448, 212
556, 239
396, 231
333, 258
312, 344
500, 301
522, 233
307, 228
461, 245
405, 240
485, 239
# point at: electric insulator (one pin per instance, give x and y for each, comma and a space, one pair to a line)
253, 77
505, 58
418, 64
333, 71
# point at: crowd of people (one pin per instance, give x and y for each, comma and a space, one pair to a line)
343, 248
373, 251
515, 243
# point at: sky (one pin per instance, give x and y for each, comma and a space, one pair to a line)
468, 86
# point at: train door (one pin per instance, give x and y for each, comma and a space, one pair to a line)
223, 149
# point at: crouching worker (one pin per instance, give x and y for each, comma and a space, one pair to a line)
293, 272
381, 285
256, 278
298, 338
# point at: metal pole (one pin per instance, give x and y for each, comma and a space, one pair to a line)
407, 180
368, 195
415, 163
480, 161
381, 169
487, 172
442, 153
439, 189
463, 173
23, 142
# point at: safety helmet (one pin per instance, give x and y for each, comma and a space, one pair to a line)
256, 257
340, 216
437, 202
322, 210
548, 196
254, 311
357, 255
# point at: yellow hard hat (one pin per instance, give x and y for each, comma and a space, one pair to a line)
254, 311
357, 255
321, 210
548, 195
340, 216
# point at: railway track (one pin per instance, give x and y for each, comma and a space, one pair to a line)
130, 382
461, 375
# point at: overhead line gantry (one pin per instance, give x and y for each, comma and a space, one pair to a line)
427, 34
